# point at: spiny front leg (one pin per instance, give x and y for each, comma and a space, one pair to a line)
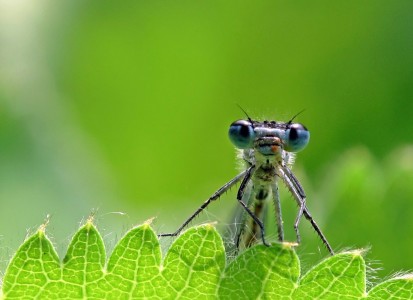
215, 196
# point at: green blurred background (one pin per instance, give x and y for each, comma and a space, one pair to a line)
124, 107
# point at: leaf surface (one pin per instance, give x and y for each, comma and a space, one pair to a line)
193, 268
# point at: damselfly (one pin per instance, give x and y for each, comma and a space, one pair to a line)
268, 149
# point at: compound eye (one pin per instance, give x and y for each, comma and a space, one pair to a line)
297, 137
241, 133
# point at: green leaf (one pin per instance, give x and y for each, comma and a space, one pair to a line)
194, 263
341, 276
84, 262
400, 287
134, 267
193, 268
261, 272
34, 270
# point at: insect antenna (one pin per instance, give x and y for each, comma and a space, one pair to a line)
295, 116
248, 117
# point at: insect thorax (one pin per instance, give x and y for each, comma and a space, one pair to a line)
266, 166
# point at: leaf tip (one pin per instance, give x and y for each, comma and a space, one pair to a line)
148, 222
90, 219
42, 228
210, 226
89, 222
289, 245
356, 252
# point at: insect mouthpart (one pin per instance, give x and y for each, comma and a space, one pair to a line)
268, 145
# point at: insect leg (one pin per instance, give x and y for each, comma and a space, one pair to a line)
298, 193
215, 196
241, 217
278, 215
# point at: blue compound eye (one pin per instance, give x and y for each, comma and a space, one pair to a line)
297, 137
241, 133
